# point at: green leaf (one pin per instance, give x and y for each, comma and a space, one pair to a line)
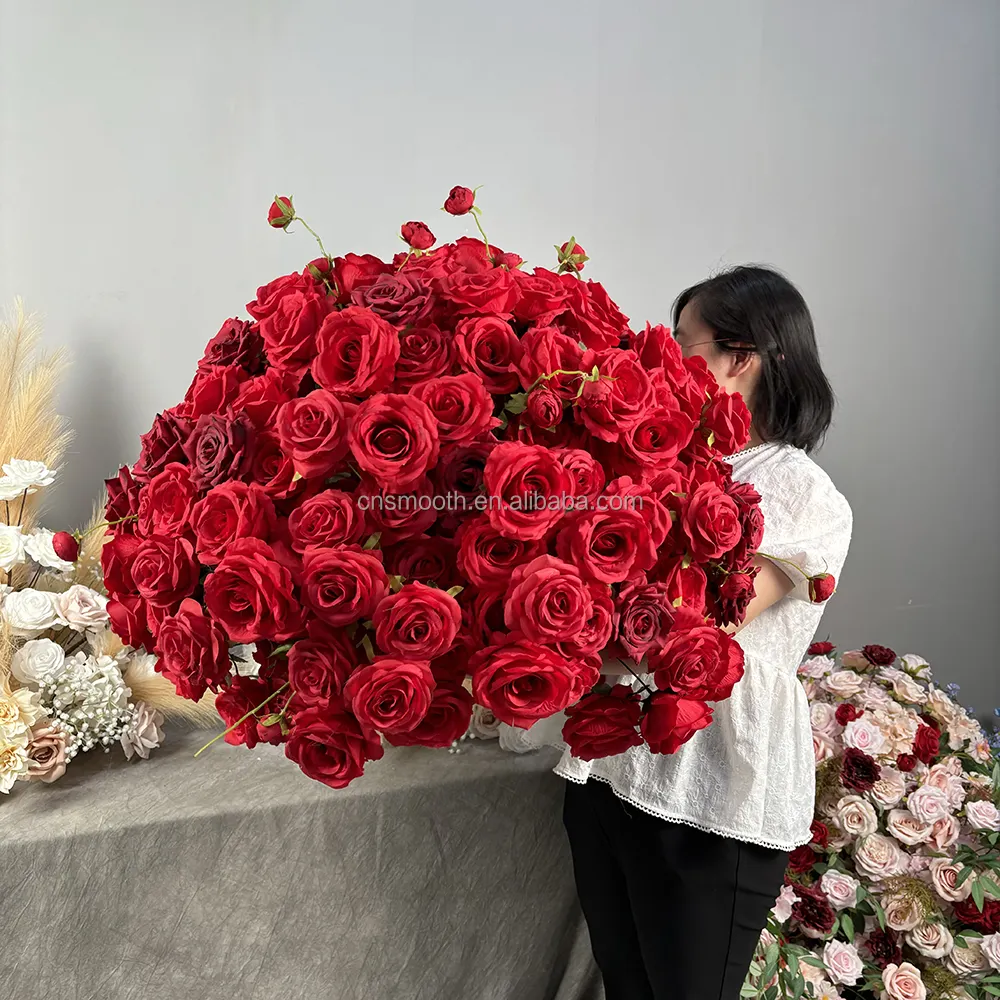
978, 896
990, 885
835, 930
879, 912
771, 993
517, 402
847, 924
793, 963
963, 875
396, 583
816, 963
746, 990
373, 540
454, 591
366, 645
992, 990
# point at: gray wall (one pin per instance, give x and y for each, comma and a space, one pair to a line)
855, 144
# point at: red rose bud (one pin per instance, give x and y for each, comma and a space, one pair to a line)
572, 257
820, 833
65, 546
821, 587
906, 762
319, 268
281, 212
847, 713
544, 408
802, 859
460, 201
878, 656
511, 261
417, 235
821, 649
926, 744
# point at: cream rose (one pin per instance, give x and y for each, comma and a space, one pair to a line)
945, 832
967, 961
38, 661
991, 949
823, 747
47, 754
13, 761
824, 718
841, 890
855, 659
843, 683
983, 815
928, 803
782, 908
879, 857
943, 777
19, 711
30, 612
815, 667
916, 665
931, 940
944, 879
842, 962
855, 816
898, 726
889, 790
908, 689
902, 913
83, 609
874, 696
903, 982
962, 730
143, 733
940, 706
863, 735
485, 725
906, 828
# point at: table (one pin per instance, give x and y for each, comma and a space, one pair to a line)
435, 876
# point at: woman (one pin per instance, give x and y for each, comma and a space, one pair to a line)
678, 859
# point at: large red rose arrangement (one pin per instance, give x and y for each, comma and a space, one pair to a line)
399, 476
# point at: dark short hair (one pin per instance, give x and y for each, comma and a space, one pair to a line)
757, 309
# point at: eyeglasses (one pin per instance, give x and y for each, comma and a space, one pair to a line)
735, 344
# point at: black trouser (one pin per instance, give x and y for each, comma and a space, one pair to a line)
674, 913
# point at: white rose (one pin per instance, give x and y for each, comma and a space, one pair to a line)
902, 913
864, 736
841, 890
13, 761
963, 730
27, 475
983, 815
11, 547
945, 832
965, 962
39, 547
30, 611
82, 609
842, 962
944, 879
890, 788
880, 857
931, 940
824, 718
940, 706
906, 828
990, 946
903, 982
916, 665
143, 733
815, 667
782, 908
855, 816
843, 683
38, 661
928, 803
909, 690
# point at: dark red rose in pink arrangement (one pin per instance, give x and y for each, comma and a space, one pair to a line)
603, 725
397, 476
878, 656
882, 947
858, 771
820, 833
802, 859
812, 911
847, 712
986, 921
821, 649
926, 744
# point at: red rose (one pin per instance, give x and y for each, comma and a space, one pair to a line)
165, 570
212, 391
926, 744
607, 545
858, 771
586, 473
354, 271
711, 523
460, 470
643, 618
489, 293
544, 408
117, 557
461, 405
397, 516
657, 348
399, 299
572, 257
281, 213
446, 721
986, 921
239, 699
543, 298
326, 520
547, 600
821, 649
262, 397
686, 585
237, 343
906, 762
123, 500
546, 350
128, 621
425, 352
459, 201
603, 725
418, 622
846, 712
423, 559
356, 353
812, 910
312, 431
597, 630
269, 296
272, 470
747, 501
521, 681
482, 617
877, 656
488, 347
821, 588
220, 448
619, 401
331, 746
229, 512
525, 485
417, 235
165, 504
820, 833
394, 439
670, 721
594, 318
802, 859
735, 594
251, 595
318, 668
697, 660
487, 557
193, 651
658, 437
390, 695
696, 387
290, 329
343, 585
624, 494
162, 444
727, 423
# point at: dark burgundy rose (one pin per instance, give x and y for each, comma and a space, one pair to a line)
859, 772
162, 444
846, 712
735, 595
802, 859
603, 725
878, 656
544, 407
821, 648
193, 651
240, 698
819, 833
986, 921
400, 299
812, 911
926, 744
446, 721
906, 762
220, 448
237, 343
123, 500
460, 471
883, 947
751, 517
425, 352
424, 559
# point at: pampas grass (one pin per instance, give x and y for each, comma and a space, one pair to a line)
157, 692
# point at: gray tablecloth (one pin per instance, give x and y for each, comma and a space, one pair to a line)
436, 876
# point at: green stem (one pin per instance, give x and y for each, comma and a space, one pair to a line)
239, 722
315, 235
108, 524
787, 562
482, 232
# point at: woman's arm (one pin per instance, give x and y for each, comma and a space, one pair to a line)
770, 586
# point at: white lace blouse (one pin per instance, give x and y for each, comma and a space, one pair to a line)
750, 775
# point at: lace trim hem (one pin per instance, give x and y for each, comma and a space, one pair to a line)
684, 820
